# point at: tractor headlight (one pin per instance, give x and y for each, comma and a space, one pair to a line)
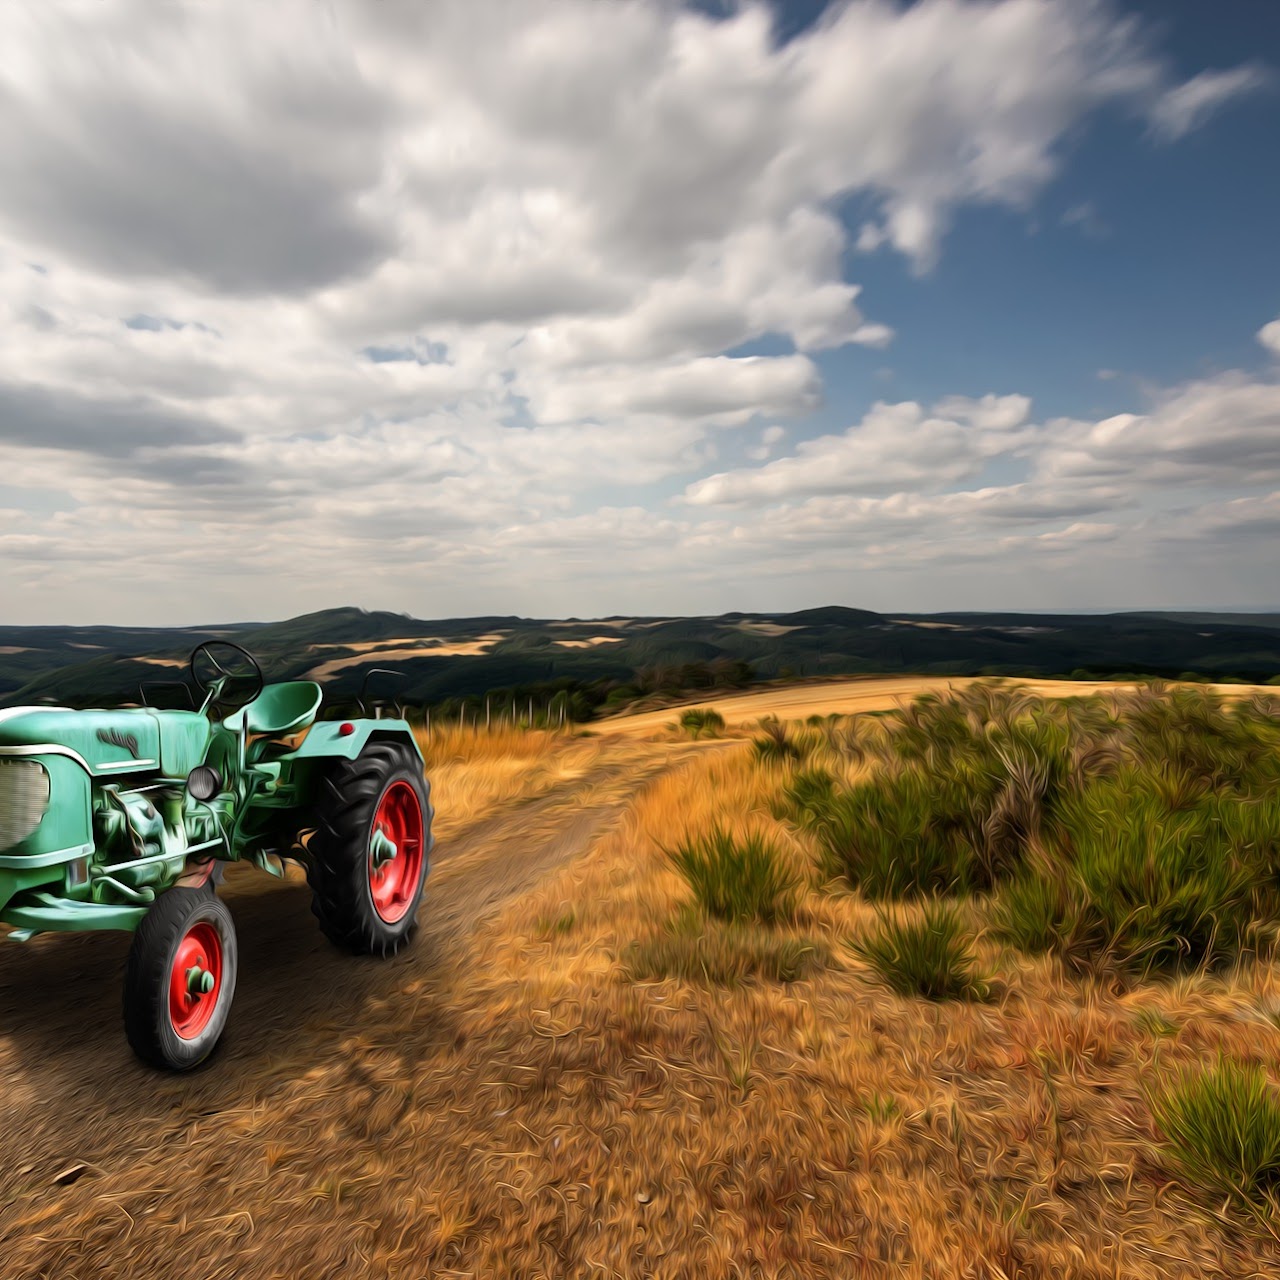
24, 798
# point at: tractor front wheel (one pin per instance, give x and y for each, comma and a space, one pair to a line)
180, 978
368, 857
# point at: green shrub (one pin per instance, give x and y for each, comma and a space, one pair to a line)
1159, 811
1221, 1129
1146, 881
1039, 913
620, 696
957, 803
1192, 731
882, 837
1136, 831
1250, 828
744, 878
774, 745
1163, 883
928, 955
697, 721
807, 799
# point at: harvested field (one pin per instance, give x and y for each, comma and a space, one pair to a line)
429, 648
766, 628
411, 642
798, 701
590, 642
618, 623
848, 697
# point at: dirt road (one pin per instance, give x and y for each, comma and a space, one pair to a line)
80, 1117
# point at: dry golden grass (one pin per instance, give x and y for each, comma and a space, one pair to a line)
829, 1128
474, 771
506, 1101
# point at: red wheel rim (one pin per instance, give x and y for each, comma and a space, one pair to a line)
393, 880
192, 996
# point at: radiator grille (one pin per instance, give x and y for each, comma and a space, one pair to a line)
24, 797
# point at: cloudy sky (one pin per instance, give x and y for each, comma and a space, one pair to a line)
615, 306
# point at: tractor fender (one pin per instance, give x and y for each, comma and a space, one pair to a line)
326, 740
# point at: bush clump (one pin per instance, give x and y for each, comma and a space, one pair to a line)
700, 722
774, 745
738, 878
1044, 913
1162, 883
887, 839
1221, 1131
1137, 832
927, 955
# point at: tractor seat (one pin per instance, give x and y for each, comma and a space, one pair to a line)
279, 708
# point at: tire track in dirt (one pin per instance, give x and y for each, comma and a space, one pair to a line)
506, 855
72, 1092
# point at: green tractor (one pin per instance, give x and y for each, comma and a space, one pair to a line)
125, 819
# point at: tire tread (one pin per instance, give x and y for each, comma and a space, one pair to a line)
336, 866
146, 978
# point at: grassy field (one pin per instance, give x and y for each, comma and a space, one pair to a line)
829, 697
672, 1014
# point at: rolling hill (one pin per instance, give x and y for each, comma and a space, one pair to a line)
450, 658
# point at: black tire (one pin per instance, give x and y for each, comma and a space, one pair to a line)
184, 925
340, 861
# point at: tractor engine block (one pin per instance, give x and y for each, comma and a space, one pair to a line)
145, 836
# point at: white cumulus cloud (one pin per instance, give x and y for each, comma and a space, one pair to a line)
394, 288
1269, 336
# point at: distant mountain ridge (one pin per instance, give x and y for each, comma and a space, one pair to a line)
451, 657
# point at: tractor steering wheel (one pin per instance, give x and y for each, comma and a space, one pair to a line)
212, 677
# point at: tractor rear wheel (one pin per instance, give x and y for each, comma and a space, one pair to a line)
368, 857
180, 978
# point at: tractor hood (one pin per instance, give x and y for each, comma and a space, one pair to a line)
112, 742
